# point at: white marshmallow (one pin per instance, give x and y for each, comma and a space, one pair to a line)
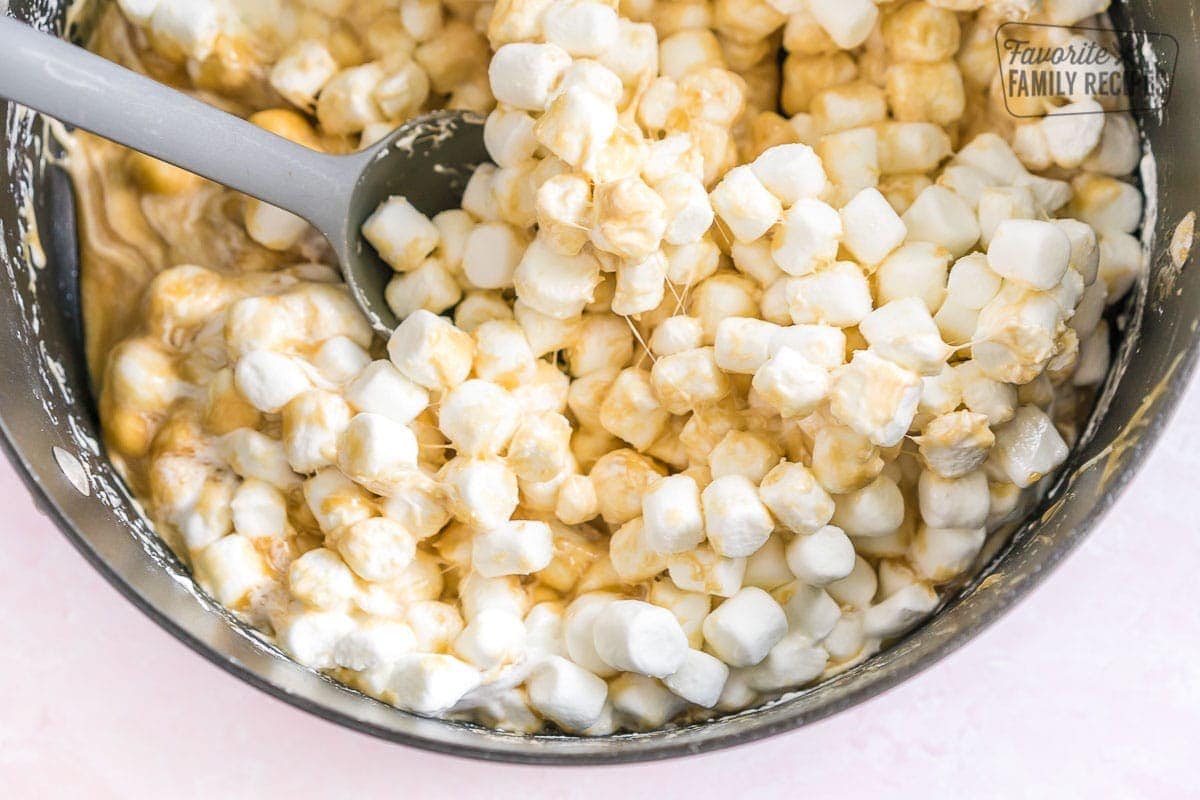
633, 636
269, 381
376, 452
1032, 252
875, 397
791, 384
428, 683
875, 510
523, 75
642, 703
377, 549
430, 351
375, 645
856, 589
555, 285
480, 491
872, 228
230, 568
380, 389
699, 679
903, 331
429, 286
743, 629
516, 547
791, 172
794, 660
491, 255
808, 237
1029, 447
311, 637
566, 693
672, 516
744, 204
736, 520
941, 554
941, 217
403, 236
848, 22
837, 295
954, 502
478, 417
493, 638
822, 557
702, 570
675, 335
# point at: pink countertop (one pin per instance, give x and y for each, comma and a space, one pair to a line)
1091, 687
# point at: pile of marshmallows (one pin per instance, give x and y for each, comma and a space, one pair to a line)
698, 430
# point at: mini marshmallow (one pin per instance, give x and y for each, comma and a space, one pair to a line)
429, 286
478, 417
900, 611
790, 172
791, 384
523, 75
848, 22
953, 502
689, 214
566, 694
916, 269
380, 389
555, 285
837, 295
430, 351
632, 557
1029, 447
402, 93
857, 589
269, 381
795, 498
699, 679
377, 645
375, 452
642, 703
310, 637
491, 255
1001, 203
516, 547
1105, 203
741, 453
508, 136
640, 286
875, 510
875, 397
1085, 248
633, 636
675, 335
671, 515
630, 218
872, 228
312, 423
744, 628
631, 411
743, 344
972, 283
428, 683
809, 609
687, 380
377, 549
320, 579
1032, 252
736, 520
579, 629
702, 570
767, 568
273, 228
340, 359
1073, 131
808, 237
493, 638
794, 660
577, 124
576, 502
821, 557
744, 204
954, 444
995, 400
481, 491
903, 331
403, 236
843, 459
941, 554
231, 569
941, 217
